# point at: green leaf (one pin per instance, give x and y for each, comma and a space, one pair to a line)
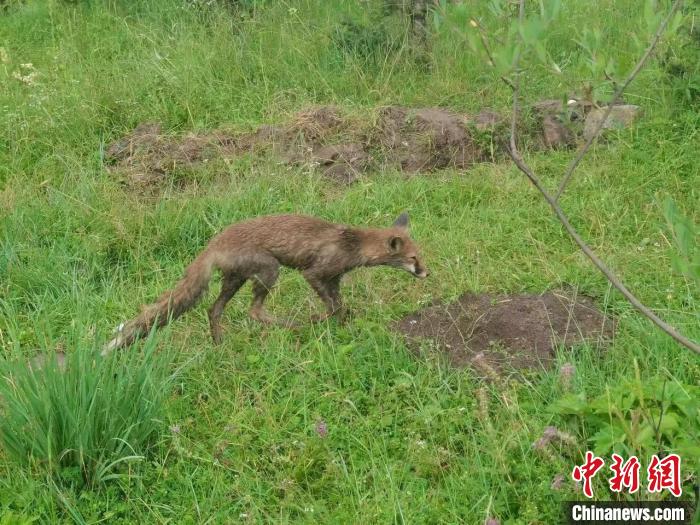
669, 423
674, 23
496, 7
687, 450
645, 436
606, 438
540, 51
554, 9
473, 40
570, 404
601, 405
651, 16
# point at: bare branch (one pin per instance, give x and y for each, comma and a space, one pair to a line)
487, 50
516, 85
617, 97
692, 345
552, 201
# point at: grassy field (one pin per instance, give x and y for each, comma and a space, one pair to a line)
333, 423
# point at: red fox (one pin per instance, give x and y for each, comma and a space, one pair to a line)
254, 250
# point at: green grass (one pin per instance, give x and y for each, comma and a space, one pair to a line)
410, 440
87, 419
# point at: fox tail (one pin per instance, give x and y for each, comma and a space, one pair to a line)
169, 306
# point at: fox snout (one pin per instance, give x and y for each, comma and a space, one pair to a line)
416, 269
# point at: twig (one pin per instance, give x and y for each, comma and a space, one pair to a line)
612, 278
516, 84
515, 155
487, 50
617, 97
661, 416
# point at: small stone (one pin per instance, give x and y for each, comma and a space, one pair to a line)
555, 134
622, 116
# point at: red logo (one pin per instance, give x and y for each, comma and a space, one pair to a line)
626, 474
586, 472
665, 474
661, 474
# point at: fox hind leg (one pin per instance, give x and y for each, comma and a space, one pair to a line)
230, 284
263, 281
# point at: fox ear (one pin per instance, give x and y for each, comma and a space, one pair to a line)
402, 221
395, 244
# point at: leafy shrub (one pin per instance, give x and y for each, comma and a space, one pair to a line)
84, 419
685, 235
639, 418
369, 43
681, 61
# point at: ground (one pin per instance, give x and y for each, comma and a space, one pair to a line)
334, 423
509, 332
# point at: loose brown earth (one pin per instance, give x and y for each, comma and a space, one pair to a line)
340, 148
495, 334
413, 140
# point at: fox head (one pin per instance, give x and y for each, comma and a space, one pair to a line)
397, 249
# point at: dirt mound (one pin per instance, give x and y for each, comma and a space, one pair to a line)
495, 333
343, 148
342, 162
427, 139
322, 137
145, 156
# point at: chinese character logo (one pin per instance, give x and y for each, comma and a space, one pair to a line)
665, 474
662, 474
586, 472
626, 474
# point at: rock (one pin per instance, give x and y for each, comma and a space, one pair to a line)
555, 134
622, 116
488, 120
548, 107
556, 119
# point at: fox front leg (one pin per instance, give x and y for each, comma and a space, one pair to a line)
328, 289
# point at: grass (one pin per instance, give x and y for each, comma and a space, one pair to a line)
87, 418
410, 440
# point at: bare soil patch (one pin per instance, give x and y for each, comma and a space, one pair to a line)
427, 139
493, 334
146, 157
343, 148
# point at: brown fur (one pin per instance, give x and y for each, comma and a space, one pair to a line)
255, 249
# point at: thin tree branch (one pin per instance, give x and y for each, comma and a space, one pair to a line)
487, 49
617, 97
516, 85
692, 345
552, 201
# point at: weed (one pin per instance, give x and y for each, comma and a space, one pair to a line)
85, 419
